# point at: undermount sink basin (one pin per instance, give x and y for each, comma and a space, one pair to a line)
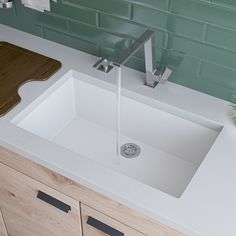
79, 113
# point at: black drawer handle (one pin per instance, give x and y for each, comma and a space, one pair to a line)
53, 201
103, 227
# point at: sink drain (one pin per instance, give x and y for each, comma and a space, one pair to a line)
130, 150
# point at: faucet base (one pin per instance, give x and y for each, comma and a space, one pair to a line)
103, 65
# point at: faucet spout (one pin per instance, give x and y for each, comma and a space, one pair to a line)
134, 47
153, 76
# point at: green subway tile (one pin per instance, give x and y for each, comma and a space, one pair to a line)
183, 64
83, 15
8, 14
107, 52
185, 69
114, 7
206, 86
203, 85
206, 12
97, 36
52, 20
187, 80
170, 22
149, 16
70, 41
136, 64
130, 29
21, 18
185, 27
87, 33
228, 3
121, 26
203, 51
218, 74
160, 4
221, 37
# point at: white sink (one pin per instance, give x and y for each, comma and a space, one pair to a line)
79, 113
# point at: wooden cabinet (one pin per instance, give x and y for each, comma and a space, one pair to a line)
30, 208
36, 201
96, 223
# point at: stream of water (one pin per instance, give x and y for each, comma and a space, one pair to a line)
118, 101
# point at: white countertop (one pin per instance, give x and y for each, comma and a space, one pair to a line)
208, 205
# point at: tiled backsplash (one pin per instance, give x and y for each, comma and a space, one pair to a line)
196, 38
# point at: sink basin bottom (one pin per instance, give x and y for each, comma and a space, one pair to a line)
154, 167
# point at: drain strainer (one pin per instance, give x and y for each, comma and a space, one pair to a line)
130, 150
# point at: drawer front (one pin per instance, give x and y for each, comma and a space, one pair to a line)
30, 208
96, 223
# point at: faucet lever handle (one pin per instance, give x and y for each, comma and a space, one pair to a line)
165, 76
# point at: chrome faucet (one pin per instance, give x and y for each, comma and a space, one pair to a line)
153, 75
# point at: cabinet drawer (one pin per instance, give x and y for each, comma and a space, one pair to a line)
30, 208
96, 223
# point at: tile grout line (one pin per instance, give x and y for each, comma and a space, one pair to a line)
98, 24
199, 68
131, 11
168, 5
204, 33
42, 31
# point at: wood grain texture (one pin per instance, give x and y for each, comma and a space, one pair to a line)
3, 230
26, 215
87, 196
18, 66
89, 230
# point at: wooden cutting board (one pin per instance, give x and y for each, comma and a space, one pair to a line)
18, 66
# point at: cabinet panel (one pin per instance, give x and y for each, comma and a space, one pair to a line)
87, 196
3, 230
97, 224
33, 209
